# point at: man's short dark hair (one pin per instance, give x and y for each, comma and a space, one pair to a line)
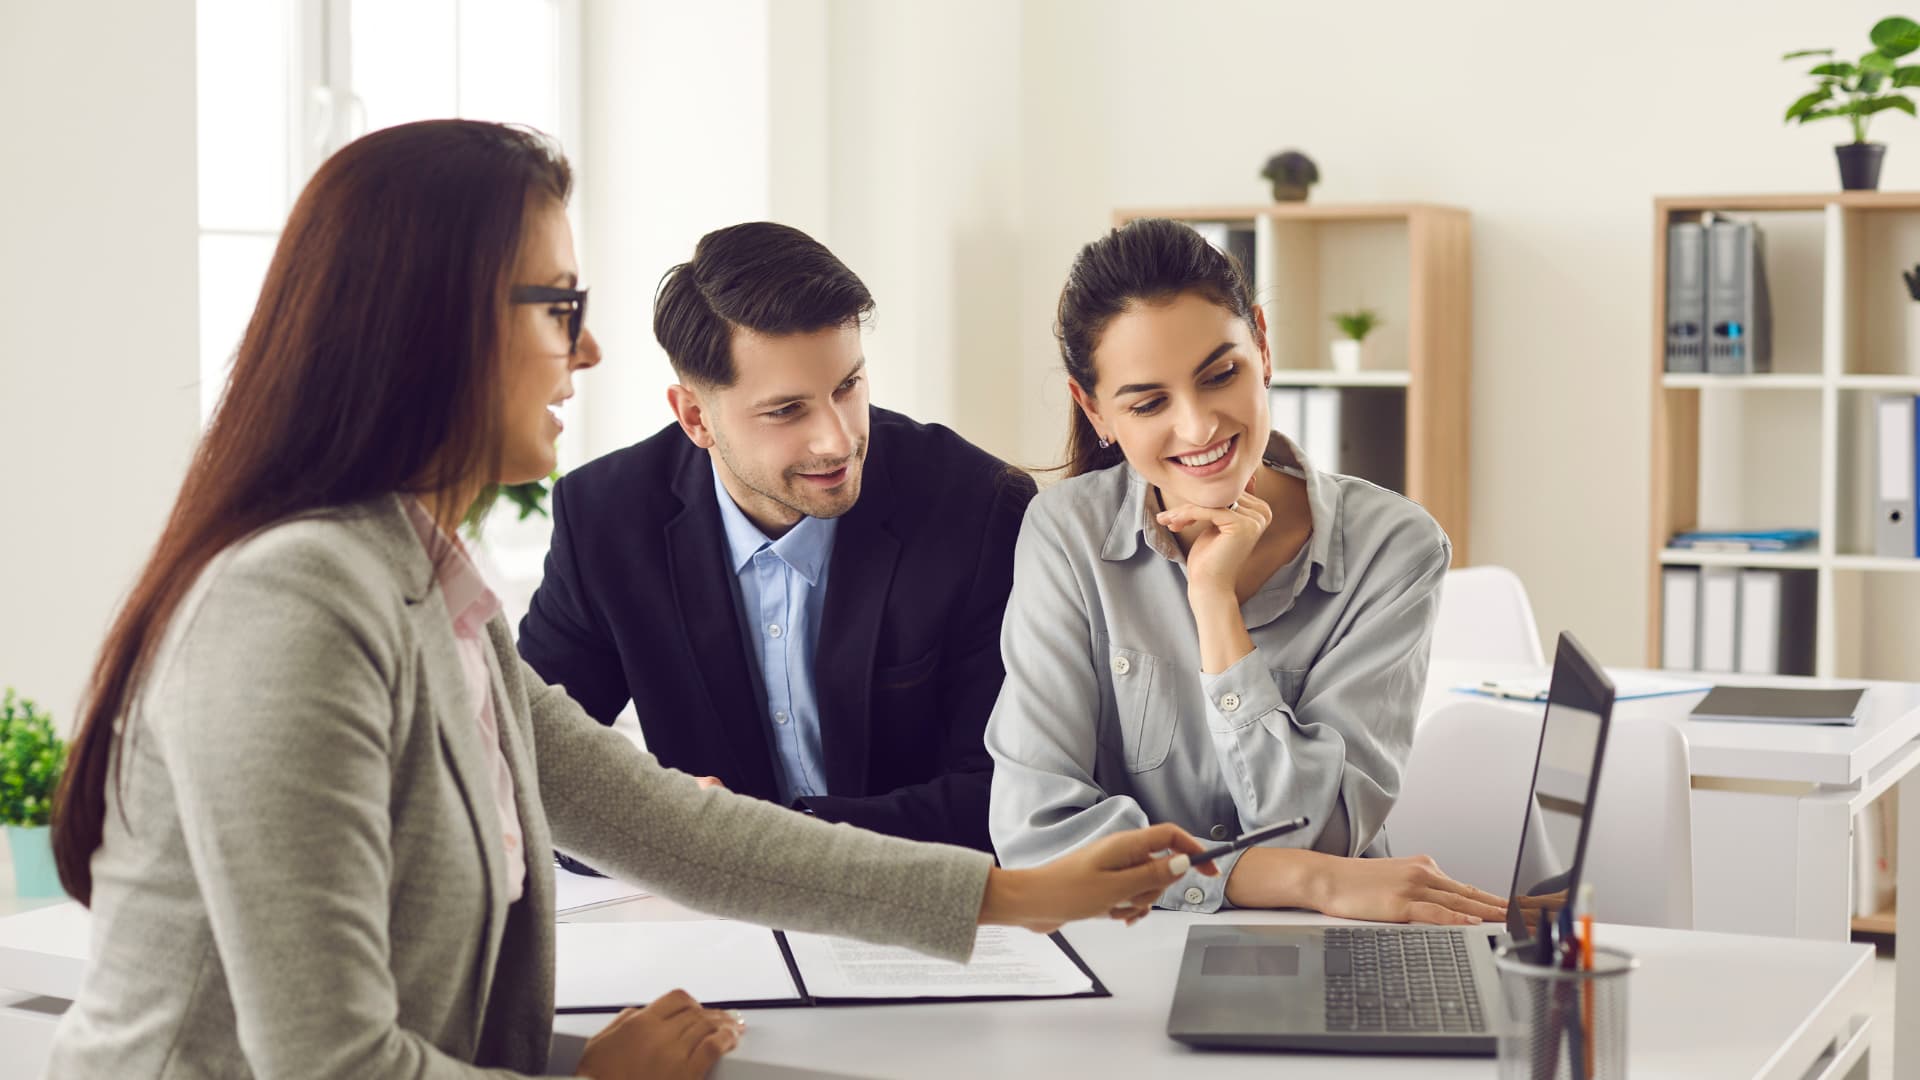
768, 278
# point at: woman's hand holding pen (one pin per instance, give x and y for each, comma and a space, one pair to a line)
1118, 876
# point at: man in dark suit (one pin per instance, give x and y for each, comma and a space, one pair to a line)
800, 593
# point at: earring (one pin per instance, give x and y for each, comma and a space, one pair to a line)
1104, 443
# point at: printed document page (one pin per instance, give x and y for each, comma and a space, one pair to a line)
1007, 962
602, 964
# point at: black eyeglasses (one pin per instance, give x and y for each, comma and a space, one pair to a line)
550, 294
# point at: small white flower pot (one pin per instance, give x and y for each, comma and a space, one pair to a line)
1347, 355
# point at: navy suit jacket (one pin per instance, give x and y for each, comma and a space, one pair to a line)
638, 603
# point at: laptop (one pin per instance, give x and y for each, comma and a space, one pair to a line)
1366, 988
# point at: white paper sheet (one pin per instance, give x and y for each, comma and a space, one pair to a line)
1007, 962
1628, 686
633, 963
580, 892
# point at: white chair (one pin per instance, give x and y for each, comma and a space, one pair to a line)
1485, 616
1466, 788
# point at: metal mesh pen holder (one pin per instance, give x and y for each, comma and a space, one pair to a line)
1561, 1024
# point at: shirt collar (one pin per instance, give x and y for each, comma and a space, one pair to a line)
470, 602
805, 547
1135, 518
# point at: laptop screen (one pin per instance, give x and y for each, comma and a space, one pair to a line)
1553, 840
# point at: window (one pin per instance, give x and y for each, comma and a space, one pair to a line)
284, 83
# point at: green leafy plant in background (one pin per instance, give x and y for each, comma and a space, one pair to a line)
1357, 324
528, 499
1860, 88
31, 757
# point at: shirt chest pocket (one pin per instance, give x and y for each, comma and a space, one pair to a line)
1144, 707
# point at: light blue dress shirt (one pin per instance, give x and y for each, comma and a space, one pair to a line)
783, 587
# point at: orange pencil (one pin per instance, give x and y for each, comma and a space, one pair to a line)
1586, 964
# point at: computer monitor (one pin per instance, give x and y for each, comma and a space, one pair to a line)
1566, 775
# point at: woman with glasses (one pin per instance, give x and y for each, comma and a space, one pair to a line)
313, 792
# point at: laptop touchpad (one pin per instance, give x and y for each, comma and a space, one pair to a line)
1251, 960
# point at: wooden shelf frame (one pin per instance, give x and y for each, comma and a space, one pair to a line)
1439, 369
1834, 389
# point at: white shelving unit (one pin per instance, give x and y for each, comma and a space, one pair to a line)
1793, 448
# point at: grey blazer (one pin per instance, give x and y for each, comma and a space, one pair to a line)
303, 870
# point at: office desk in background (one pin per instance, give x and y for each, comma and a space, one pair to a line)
1702, 1007
1773, 808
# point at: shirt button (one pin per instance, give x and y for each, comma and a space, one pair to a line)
1229, 702
780, 717
773, 630
1122, 665
1219, 832
1194, 895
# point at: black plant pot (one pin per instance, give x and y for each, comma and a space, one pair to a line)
1860, 165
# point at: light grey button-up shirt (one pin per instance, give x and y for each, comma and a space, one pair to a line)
1106, 722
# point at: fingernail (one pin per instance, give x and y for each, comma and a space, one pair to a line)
1475, 918
1178, 864
736, 1017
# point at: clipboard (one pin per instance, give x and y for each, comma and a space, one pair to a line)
803, 997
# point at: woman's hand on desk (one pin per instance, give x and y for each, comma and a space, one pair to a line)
672, 1038
1117, 876
1381, 890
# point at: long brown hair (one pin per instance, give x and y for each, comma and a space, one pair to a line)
1147, 260
370, 366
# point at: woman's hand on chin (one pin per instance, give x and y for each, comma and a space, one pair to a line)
1214, 558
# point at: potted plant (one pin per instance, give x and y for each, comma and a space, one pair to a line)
1857, 90
528, 499
1349, 351
31, 757
1291, 173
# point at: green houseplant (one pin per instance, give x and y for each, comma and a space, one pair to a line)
1354, 325
528, 499
1858, 90
31, 757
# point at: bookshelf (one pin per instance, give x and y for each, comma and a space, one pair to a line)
1412, 262
1795, 448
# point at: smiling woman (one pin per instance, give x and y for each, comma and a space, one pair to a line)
1292, 688
314, 781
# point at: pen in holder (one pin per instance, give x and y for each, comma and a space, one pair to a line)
1563, 1023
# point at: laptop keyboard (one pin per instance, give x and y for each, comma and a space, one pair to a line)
1400, 979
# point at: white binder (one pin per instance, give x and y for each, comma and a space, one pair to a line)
1776, 622
1288, 406
1893, 532
1719, 618
1322, 422
1680, 618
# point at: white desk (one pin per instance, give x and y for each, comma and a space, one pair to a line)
1773, 808
1702, 1006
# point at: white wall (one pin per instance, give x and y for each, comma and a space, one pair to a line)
1556, 126
675, 104
98, 318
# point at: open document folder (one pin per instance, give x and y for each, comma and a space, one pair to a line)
609, 966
